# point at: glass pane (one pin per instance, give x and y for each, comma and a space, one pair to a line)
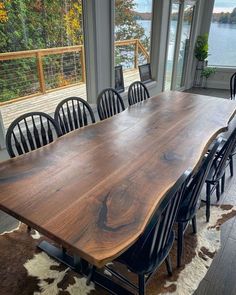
133, 21
184, 45
222, 37
39, 25
174, 18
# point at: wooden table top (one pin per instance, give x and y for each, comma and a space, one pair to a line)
94, 190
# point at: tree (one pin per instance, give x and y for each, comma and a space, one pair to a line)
224, 18
3, 13
126, 28
27, 25
126, 23
233, 17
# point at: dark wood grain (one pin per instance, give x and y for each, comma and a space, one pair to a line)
95, 189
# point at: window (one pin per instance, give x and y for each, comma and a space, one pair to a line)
133, 20
222, 37
41, 50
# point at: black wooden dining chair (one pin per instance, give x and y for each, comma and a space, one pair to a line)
137, 92
233, 86
30, 132
190, 200
73, 113
109, 103
154, 245
216, 176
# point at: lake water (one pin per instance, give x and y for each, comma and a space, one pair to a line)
222, 43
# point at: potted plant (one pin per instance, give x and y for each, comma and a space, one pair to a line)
201, 54
201, 48
206, 73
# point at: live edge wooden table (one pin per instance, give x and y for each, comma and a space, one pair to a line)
93, 191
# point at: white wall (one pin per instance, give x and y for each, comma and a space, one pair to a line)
221, 78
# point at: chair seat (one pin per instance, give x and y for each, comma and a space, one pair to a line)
145, 264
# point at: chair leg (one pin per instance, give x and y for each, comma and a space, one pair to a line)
141, 284
223, 184
168, 265
180, 243
231, 165
208, 201
194, 224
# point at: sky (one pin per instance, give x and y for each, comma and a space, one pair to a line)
220, 5
144, 5
224, 5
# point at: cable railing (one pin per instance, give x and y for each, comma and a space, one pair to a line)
24, 74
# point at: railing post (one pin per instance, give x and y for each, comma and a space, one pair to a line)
136, 54
40, 73
82, 60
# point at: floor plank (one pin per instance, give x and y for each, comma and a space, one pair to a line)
7, 223
223, 278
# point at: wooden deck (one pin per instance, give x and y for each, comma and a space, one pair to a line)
48, 102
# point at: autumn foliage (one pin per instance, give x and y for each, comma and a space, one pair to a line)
3, 13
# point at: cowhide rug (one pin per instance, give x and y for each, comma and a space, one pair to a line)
25, 270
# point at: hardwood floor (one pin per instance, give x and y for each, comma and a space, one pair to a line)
7, 223
221, 276
224, 93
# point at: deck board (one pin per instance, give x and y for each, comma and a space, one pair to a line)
48, 102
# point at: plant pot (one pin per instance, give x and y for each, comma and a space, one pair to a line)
201, 64
198, 81
205, 83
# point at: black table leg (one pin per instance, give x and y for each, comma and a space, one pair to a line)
82, 267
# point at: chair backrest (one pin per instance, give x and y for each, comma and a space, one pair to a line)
233, 86
145, 72
137, 92
73, 113
119, 79
220, 161
109, 103
190, 198
157, 234
30, 132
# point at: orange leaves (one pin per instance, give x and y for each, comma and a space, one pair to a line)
73, 19
3, 13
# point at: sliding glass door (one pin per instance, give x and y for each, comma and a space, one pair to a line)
173, 24
180, 29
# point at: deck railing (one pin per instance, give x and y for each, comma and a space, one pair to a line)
43, 70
